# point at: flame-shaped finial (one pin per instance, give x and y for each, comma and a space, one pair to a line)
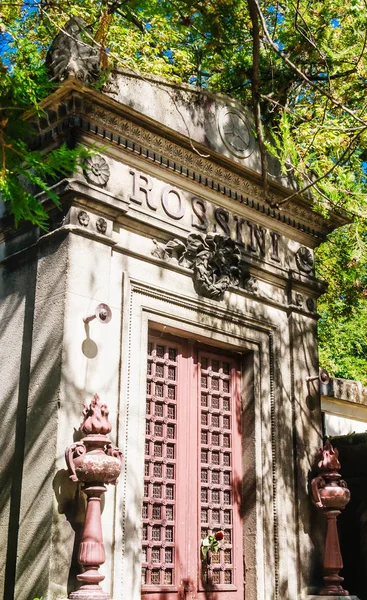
96, 418
327, 458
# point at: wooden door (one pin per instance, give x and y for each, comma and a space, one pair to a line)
192, 472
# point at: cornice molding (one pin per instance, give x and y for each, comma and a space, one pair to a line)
77, 107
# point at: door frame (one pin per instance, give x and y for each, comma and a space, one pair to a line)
218, 326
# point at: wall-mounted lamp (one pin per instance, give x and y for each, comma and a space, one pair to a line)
103, 313
323, 377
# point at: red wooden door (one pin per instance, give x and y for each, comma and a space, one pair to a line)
192, 473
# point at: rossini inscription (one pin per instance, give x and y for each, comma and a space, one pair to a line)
198, 214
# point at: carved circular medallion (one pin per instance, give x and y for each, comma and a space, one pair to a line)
96, 170
310, 304
235, 132
83, 218
101, 225
299, 299
304, 259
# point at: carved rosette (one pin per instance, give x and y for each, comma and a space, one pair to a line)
94, 462
215, 261
330, 494
96, 170
304, 259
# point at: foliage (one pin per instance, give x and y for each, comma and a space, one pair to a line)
23, 172
301, 65
343, 309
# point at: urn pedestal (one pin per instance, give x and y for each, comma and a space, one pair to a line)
330, 494
93, 462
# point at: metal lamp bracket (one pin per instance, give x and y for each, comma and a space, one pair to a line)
102, 313
323, 377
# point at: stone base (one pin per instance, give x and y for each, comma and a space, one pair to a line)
89, 594
316, 597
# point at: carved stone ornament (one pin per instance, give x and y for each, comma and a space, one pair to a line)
101, 225
330, 494
96, 170
214, 259
235, 132
71, 56
251, 285
304, 259
310, 303
83, 218
93, 462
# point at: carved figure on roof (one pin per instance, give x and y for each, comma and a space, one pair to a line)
70, 56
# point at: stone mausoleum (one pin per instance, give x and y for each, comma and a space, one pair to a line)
208, 364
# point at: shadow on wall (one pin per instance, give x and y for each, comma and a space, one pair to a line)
32, 311
16, 320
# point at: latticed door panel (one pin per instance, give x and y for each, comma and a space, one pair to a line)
219, 464
192, 469
159, 529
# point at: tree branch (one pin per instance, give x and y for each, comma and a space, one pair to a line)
345, 154
256, 93
300, 73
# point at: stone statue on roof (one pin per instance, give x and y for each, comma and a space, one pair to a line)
71, 56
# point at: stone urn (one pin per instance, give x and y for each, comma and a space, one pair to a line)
94, 462
330, 494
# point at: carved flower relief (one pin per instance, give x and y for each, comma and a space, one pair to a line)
101, 225
304, 259
83, 218
96, 170
136, 131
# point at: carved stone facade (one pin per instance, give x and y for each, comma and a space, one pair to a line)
172, 233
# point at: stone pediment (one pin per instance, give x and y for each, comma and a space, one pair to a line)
223, 163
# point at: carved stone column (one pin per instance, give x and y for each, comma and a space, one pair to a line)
330, 493
94, 462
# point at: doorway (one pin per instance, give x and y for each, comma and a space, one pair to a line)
193, 472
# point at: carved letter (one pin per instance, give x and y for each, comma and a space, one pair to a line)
257, 238
142, 183
222, 217
199, 209
239, 223
274, 246
180, 210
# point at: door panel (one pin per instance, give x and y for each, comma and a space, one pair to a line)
220, 468
192, 472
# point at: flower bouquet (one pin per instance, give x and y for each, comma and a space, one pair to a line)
211, 544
